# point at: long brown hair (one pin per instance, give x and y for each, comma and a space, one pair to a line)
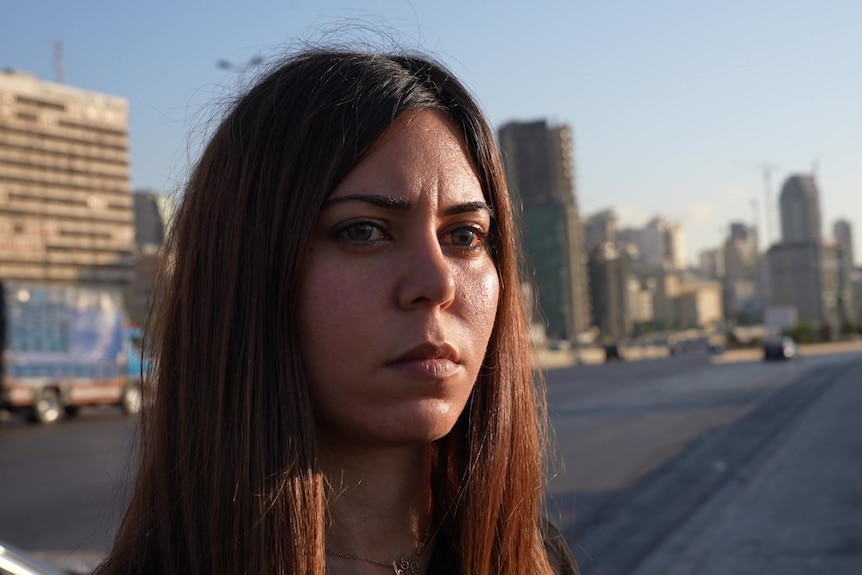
228, 480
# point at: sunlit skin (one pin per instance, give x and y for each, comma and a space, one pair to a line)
400, 290
398, 302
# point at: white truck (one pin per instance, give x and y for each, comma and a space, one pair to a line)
65, 347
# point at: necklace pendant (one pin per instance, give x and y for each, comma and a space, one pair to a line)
405, 565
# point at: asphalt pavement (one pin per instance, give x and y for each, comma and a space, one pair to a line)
796, 509
668, 466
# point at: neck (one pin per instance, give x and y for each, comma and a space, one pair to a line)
379, 505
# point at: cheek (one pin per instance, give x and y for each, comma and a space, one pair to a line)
336, 312
481, 298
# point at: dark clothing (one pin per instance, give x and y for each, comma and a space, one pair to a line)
445, 562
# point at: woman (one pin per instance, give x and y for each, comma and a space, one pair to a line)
344, 382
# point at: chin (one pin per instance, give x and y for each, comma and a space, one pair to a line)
420, 433
417, 431
403, 425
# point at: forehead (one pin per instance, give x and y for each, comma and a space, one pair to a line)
421, 151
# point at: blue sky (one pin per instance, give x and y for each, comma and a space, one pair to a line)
674, 104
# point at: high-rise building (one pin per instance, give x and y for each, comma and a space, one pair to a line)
153, 215
741, 231
631, 236
712, 263
800, 210
807, 276
65, 206
855, 289
608, 273
843, 232
807, 273
700, 304
663, 245
640, 300
599, 228
539, 162
741, 278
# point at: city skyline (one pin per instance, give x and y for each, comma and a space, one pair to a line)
675, 109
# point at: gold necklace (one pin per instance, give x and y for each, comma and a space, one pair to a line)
406, 564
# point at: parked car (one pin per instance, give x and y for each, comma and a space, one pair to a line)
780, 348
614, 352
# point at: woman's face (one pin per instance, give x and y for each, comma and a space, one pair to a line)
399, 291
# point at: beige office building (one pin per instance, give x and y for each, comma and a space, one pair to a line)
65, 203
681, 303
700, 304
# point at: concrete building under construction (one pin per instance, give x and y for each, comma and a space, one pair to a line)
539, 162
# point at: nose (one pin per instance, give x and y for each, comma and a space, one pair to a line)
427, 277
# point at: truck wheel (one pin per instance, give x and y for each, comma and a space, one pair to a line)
132, 399
72, 410
47, 408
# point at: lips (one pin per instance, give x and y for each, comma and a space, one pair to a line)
427, 361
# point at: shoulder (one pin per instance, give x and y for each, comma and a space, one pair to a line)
559, 554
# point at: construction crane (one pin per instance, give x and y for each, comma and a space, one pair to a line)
755, 217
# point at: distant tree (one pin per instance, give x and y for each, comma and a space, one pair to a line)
825, 332
644, 328
802, 332
747, 318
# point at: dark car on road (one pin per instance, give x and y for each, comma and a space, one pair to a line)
780, 348
613, 352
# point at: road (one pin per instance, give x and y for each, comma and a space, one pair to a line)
61, 485
640, 448
643, 448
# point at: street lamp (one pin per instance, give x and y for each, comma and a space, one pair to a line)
252, 63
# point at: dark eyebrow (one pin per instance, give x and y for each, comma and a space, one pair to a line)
402, 205
470, 207
387, 202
